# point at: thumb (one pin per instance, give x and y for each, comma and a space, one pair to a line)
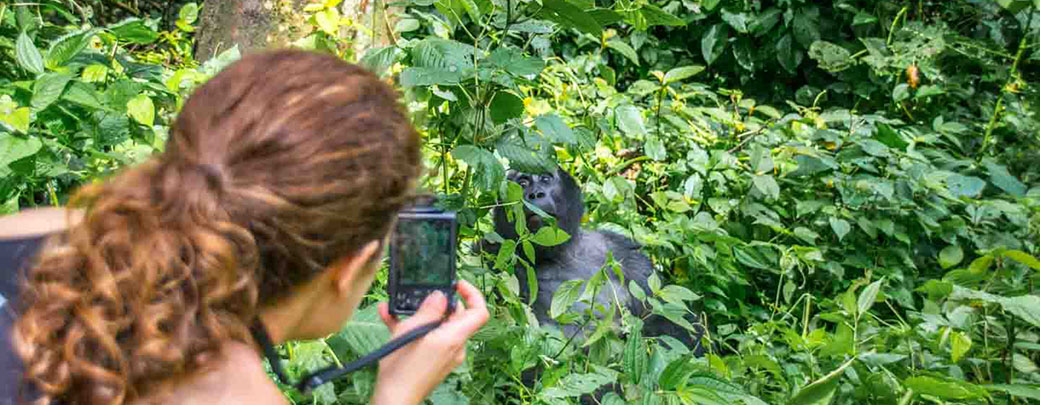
432, 309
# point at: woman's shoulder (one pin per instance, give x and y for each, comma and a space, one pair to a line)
236, 377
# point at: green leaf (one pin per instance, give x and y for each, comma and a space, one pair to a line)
550, 236
574, 385
1013, 6
654, 283
365, 333
677, 294
379, 60
767, 186
624, 49
806, 234
48, 89
901, 92
867, 297
565, 296
14, 148
806, 28
568, 14
489, 171
630, 120
655, 150
1026, 307
635, 357
28, 57
1028, 391
65, 48
840, 227
960, 343
787, 55
944, 388
950, 256
514, 61
1023, 257
981, 264
96, 73
681, 73
831, 57
820, 391
524, 159
141, 109
965, 186
999, 176
739, 21
424, 76
14, 117
189, 13
713, 43
505, 255
656, 16
506, 106
676, 374
555, 129
133, 30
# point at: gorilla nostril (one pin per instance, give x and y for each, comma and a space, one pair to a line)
539, 195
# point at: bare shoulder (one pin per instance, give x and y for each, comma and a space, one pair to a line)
237, 378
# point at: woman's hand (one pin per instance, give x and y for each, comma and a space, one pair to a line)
409, 375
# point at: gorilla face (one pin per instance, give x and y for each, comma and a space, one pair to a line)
555, 192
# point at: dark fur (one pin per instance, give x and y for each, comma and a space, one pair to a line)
582, 256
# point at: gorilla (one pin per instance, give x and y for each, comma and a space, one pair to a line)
581, 256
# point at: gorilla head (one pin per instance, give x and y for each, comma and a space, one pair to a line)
556, 193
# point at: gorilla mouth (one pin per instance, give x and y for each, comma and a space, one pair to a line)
534, 221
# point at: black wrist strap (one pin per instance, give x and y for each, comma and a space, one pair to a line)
316, 379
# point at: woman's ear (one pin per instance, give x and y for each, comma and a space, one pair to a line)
354, 268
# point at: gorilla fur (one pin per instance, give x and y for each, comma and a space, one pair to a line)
582, 256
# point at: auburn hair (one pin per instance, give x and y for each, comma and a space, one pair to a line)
276, 167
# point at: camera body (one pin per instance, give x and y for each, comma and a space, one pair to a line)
422, 258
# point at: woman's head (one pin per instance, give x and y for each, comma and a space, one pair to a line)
277, 169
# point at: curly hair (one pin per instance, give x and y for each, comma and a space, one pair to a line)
276, 167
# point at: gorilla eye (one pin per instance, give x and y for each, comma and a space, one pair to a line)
545, 178
523, 182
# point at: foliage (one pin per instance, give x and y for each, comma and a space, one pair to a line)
844, 188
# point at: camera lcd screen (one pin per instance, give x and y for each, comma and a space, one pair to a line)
424, 249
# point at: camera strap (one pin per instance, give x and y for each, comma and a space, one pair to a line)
316, 379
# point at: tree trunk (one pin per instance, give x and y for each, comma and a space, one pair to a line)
258, 24
226, 23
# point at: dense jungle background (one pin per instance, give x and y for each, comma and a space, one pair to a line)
848, 191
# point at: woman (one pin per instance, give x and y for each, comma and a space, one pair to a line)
273, 199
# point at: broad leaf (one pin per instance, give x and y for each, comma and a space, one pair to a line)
565, 296
141, 109
63, 49
840, 227
133, 30
568, 14
681, 73
14, 148
624, 49
656, 16
951, 256
944, 388
28, 57
550, 236
555, 129
48, 89
630, 120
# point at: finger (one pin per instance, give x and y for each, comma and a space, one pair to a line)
390, 320
458, 312
460, 357
475, 315
431, 310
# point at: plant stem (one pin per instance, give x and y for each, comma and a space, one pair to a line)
1012, 75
